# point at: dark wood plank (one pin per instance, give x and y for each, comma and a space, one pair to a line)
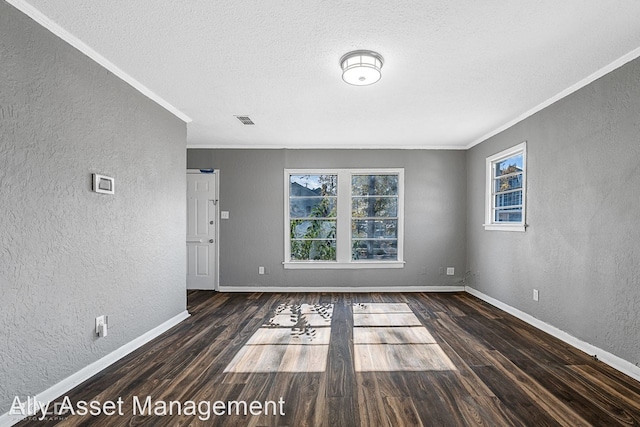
340, 359
499, 371
370, 401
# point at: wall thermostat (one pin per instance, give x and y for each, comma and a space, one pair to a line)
103, 184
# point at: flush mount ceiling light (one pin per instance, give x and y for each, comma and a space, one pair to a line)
361, 67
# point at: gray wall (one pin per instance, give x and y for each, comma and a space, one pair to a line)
67, 254
582, 247
252, 190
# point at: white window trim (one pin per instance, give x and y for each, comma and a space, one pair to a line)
489, 223
343, 231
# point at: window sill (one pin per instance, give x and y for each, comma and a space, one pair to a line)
328, 265
505, 227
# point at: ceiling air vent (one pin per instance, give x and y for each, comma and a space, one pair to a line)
246, 120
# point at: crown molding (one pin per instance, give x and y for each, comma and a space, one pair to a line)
568, 91
56, 29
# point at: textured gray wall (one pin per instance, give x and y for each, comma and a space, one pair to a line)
582, 247
252, 190
67, 254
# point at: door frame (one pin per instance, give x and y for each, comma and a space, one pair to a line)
216, 208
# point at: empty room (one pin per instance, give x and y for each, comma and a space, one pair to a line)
319, 213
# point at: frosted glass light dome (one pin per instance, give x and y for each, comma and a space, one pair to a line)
361, 67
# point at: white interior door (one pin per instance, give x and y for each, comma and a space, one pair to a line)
202, 226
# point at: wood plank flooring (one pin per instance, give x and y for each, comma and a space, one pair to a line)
353, 360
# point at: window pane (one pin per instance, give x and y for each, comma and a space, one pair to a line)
313, 196
316, 250
374, 185
510, 165
313, 185
363, 207
314, 207
508, 215
508, 183
374, 196
374, 229
375, 249
508, 199
313, 229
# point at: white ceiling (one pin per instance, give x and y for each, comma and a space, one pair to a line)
455, 72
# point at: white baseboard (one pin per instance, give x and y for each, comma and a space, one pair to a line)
70, 382
342, 289
87, 372
612, 360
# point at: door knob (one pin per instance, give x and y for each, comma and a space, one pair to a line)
210, 240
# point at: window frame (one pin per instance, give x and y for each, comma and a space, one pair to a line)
344, 218
489, 220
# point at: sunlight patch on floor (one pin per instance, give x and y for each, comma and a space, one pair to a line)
389, 337
393, 335
294, 339
386, 337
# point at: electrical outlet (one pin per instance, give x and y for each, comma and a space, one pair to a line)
535, 295
99, 323
261, 270
101, 326
451, 271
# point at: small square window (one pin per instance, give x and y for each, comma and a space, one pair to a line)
506, 190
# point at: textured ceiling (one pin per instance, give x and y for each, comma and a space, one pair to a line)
454, 72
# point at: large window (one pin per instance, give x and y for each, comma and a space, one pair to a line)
506, 188
343, 218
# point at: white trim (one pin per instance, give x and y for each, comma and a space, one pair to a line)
199, 171
504, 154
56, 29
329, 146
329, 265
568, 91
505, 227
612, 360
341, 289
216, 284
490, 162
87, 372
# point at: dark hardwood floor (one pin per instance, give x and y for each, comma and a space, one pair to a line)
365, 359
